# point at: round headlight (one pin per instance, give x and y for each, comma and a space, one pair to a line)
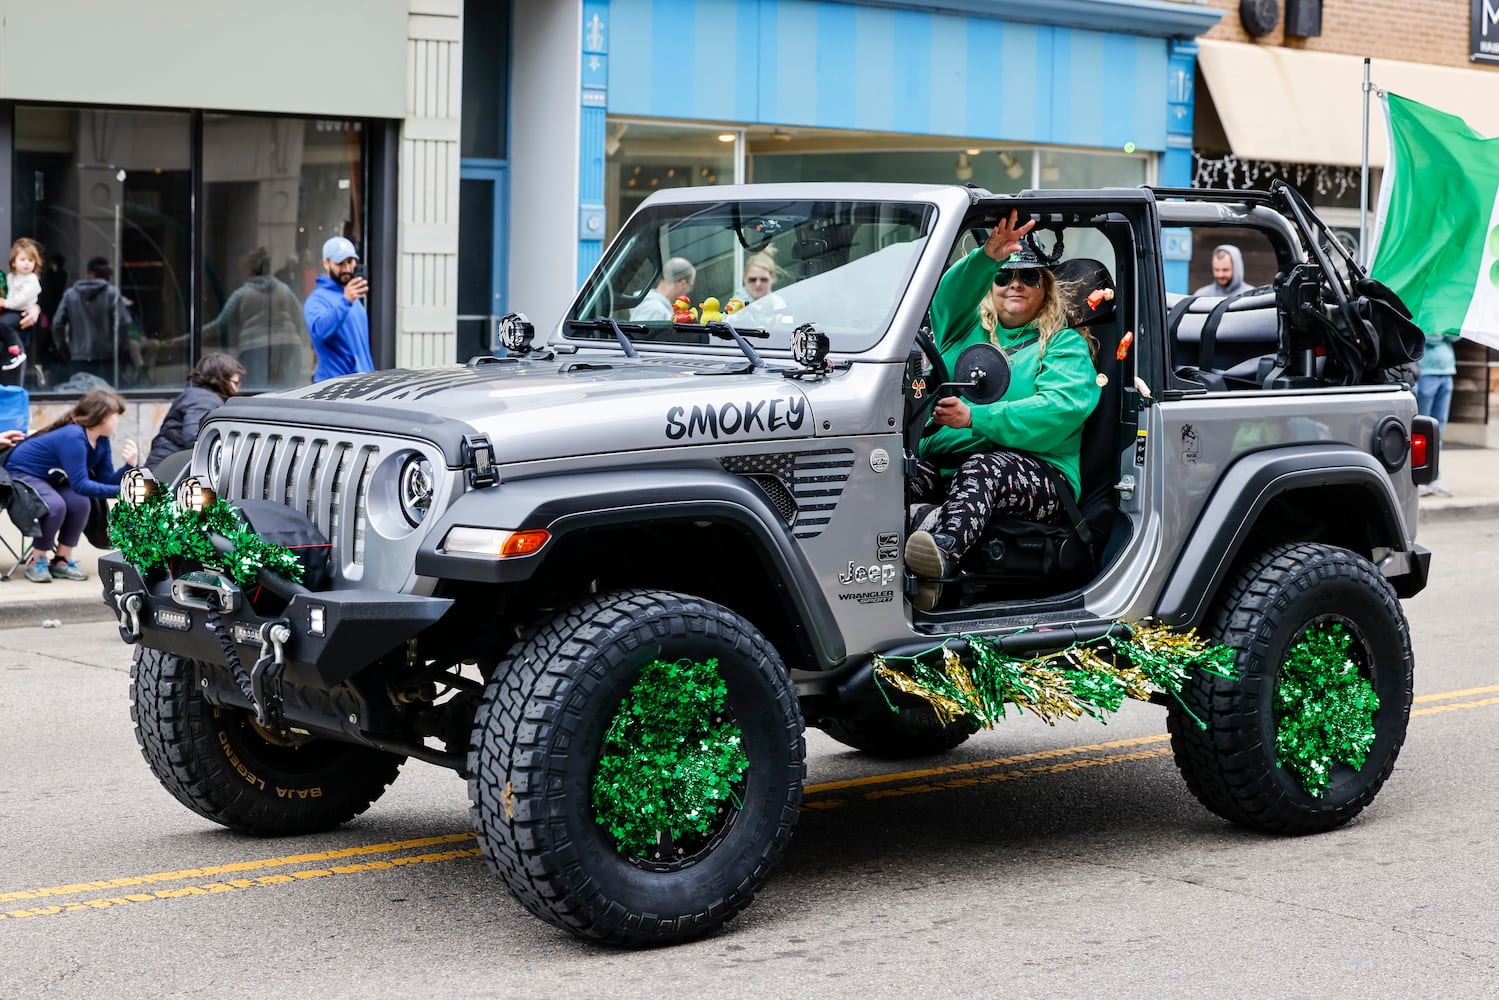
415, 488
216, 459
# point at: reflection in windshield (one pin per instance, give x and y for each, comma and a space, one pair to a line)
767, 266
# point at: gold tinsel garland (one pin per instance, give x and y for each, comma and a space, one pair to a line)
1087, 678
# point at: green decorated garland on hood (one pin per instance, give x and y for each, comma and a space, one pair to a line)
152, 533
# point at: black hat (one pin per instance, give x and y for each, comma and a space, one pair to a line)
1026, 258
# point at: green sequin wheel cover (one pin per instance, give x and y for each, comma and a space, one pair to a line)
1324, 709
671, 758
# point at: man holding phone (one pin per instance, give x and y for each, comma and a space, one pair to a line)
336, 317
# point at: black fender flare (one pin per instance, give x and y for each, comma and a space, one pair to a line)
1242, 494
569, 503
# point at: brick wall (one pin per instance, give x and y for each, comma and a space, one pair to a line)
1424, 31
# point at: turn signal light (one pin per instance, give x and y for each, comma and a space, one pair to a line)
523, 543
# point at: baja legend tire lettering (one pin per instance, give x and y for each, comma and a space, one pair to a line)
731, 418
298, 793
244, 772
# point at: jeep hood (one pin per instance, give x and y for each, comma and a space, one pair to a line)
572, 405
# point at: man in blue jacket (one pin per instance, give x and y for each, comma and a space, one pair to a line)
336, 317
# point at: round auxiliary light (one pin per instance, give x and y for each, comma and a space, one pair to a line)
137, 486
194, 494
516, 332
416, 488
809, 346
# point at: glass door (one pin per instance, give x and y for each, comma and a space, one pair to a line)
483, 195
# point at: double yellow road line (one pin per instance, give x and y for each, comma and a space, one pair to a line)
237, 876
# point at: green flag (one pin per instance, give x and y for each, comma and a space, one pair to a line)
1438, 233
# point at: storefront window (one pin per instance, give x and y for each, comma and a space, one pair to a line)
108, 194
274, 189
1003, 171
647, 158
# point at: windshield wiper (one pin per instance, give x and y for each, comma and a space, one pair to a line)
727, 331
610, 324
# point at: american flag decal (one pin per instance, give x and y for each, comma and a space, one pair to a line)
804, 486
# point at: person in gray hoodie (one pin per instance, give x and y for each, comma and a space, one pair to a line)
1228, 273
91, 323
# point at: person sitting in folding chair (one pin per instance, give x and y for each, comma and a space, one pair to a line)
68, 463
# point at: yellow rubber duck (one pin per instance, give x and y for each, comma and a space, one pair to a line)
708, 311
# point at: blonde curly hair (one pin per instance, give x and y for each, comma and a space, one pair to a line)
1051, 320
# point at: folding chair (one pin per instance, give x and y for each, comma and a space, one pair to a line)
26, 509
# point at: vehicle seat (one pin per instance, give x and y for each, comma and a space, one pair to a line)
1024, 559
1224, 342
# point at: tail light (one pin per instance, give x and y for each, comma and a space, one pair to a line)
1426, 449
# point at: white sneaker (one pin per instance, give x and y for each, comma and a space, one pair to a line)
14, 363
1423, 490
1441, 489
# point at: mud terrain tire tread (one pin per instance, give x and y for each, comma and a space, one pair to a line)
186, 741
1230, 766
536, 740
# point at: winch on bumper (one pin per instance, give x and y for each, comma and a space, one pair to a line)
333, 634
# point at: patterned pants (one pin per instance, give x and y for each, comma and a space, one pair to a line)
995, 483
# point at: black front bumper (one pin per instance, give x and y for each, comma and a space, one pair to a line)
358, 626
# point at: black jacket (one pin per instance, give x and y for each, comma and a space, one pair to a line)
179, 430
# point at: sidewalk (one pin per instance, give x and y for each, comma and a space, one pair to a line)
1472, 473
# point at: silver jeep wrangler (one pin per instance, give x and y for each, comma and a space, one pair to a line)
510, 542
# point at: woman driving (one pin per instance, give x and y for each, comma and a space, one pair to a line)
1011, 457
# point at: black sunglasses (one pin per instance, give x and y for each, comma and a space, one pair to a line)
1030, 277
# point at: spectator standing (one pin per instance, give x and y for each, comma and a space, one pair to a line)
1228, 273
677, 278
1434, 394
68, 463
91, 321
263, 322
213, 380
335, 314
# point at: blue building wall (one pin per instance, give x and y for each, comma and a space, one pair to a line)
838, 65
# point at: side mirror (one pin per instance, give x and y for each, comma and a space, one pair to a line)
981, 376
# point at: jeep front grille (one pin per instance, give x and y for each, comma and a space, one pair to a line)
326, 480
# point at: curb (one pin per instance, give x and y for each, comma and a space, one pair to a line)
1457, 510
87, 605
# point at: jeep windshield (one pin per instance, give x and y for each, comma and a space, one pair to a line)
766, 267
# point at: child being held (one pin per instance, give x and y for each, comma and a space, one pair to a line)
22, 287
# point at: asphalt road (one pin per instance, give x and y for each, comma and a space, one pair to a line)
1066, 862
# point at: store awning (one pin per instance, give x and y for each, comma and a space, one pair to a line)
1307, 107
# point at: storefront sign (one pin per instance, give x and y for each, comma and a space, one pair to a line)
1483, 44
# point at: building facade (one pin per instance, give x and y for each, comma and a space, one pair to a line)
1286, 100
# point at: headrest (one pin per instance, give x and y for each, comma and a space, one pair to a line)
1092, 300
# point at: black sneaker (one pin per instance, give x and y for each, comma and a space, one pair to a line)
930, 556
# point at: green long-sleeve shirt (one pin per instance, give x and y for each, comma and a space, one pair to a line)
1051, 393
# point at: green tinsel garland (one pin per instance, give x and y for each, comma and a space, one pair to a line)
1324, 709
151, 534
670, 758
1090, 679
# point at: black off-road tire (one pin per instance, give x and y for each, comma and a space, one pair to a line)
223, 767
1262, 611
911, 731
537, 740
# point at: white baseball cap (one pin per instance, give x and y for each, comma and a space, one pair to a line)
338, 249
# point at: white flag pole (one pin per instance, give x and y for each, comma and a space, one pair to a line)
1363, 180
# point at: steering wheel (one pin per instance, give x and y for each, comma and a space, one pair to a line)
919, 411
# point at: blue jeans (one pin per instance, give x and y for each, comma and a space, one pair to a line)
1434, 397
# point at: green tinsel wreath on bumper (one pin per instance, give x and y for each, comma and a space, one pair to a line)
151, 534
671, 757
